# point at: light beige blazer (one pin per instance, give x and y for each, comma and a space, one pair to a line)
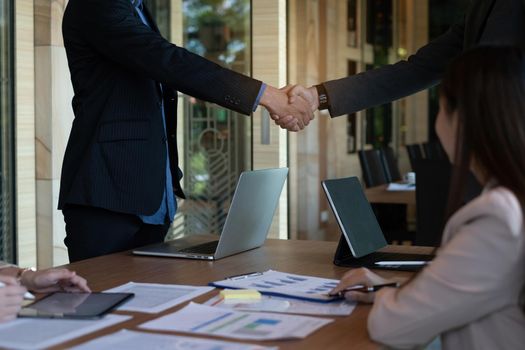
469, 293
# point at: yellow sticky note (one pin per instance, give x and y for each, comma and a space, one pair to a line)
244, 294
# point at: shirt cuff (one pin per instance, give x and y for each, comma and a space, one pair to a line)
258, 99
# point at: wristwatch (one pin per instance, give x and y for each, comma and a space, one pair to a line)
323, 97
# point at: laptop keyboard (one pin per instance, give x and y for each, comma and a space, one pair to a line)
370, 259
382, 256
205, 248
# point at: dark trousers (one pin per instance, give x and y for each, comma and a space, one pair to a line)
92, 232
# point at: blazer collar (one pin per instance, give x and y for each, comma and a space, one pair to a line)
151, 21
475, 21
148, 15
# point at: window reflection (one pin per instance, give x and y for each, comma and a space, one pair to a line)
216, 142
220, 31
6, 133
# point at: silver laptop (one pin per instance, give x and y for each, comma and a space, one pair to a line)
246, 227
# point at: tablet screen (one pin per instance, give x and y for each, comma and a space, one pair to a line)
74, 305
354, 215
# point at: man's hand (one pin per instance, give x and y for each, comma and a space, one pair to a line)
292, 116
11, 298
308, 94
52, 280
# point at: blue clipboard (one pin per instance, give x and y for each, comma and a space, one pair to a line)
324, 299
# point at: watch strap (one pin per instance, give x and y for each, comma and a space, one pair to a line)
323, 97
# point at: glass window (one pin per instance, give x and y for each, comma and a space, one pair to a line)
216, 142
7, 222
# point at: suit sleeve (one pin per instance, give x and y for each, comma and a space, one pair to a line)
463, 283
386, 84
113, 31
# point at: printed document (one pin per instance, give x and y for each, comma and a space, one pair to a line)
283, 284
270, 303
154, 298
207, 320
40, 333
132, 340
394, 186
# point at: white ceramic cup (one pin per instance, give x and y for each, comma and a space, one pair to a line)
410, 178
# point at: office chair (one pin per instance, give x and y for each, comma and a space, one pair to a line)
372, 167
414, 154
433, 181
390, 166
434, 150
392, 218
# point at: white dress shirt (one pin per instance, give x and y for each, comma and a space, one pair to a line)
469, 293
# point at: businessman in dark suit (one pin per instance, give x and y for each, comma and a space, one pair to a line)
487, 22
120, 172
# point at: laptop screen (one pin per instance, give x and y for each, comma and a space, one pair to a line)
354, 215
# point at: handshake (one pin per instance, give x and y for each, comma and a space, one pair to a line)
292, 107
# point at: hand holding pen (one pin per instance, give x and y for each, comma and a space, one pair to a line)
361, 285
363, 289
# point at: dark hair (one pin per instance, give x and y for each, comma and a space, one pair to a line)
486, 87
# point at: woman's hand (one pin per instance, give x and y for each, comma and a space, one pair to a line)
11, 298
363, 277
54, 280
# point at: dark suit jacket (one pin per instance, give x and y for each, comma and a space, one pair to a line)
116, 153
484, 22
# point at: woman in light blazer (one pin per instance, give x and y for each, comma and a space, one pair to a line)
472, 293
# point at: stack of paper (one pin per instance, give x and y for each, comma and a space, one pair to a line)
284, 284
131, 340
207, 320
270, 303
40, 333
395, 186
154, 298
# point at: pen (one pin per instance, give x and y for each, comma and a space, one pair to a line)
244, 275
398, 263
363, 289
27, 295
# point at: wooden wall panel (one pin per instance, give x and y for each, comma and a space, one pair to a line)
269, 36
25, 133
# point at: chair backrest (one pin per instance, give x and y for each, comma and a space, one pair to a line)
434, 150
372, 167
414, 154
390, 164
432, 186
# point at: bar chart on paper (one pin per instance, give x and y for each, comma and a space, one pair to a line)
284, 284
201, 319
260, 327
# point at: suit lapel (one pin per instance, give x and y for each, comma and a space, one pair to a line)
150, 19
476, 19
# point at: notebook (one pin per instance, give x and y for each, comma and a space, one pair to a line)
362, 236
247, 223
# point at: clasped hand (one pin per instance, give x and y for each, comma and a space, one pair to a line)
292, 107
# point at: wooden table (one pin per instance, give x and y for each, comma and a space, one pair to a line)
379, 194
303, 257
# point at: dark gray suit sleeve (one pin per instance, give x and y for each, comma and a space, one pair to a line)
113, 31
386, 84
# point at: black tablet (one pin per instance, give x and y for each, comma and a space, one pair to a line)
74, 305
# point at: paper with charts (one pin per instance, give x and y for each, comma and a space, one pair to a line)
269, 303
207, 320
154, 298
41, 333
132, 340
283, 284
